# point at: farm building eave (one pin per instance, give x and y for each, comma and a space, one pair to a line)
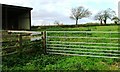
16, 7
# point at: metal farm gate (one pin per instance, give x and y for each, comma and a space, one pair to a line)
83, 43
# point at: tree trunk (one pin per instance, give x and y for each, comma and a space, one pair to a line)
105, 22
76, 21
115, 22
101, 22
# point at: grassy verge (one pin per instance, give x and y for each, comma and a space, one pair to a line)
38, 61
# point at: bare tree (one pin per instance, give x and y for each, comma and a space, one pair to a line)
115, 19
56, 22
108, 14
105, 15
79, 13
99, 16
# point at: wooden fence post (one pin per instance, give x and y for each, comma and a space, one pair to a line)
44, 41
20, 42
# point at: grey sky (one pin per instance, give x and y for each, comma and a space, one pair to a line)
45, 12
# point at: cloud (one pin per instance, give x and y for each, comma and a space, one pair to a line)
47, 11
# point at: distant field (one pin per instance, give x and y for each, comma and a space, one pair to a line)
74, 28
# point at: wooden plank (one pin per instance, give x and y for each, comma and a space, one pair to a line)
44, 41
25, 34
20, 43
9, 41
10, 53
10, 47
10, 35
28, 32
36, 38
32, 43
39, 35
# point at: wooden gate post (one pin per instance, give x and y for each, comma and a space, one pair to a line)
44, 41
20, 42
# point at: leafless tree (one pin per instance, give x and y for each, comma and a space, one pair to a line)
99, 16
79, 13
115, 19
56, 22
105, 15
108, 14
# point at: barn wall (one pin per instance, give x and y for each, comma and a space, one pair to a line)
24, 21
119, 9
16, 17
0, 16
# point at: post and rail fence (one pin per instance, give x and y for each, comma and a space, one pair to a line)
76, 43
14, 41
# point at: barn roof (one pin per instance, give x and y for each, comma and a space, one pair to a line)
16, 7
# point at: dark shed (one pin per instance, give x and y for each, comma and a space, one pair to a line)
16, 17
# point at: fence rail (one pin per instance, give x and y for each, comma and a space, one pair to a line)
83, 43
77, 43
83, 31
14, 41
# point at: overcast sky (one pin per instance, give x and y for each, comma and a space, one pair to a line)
45, 12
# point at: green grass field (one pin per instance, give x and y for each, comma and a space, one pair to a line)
87, 28
38, 61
